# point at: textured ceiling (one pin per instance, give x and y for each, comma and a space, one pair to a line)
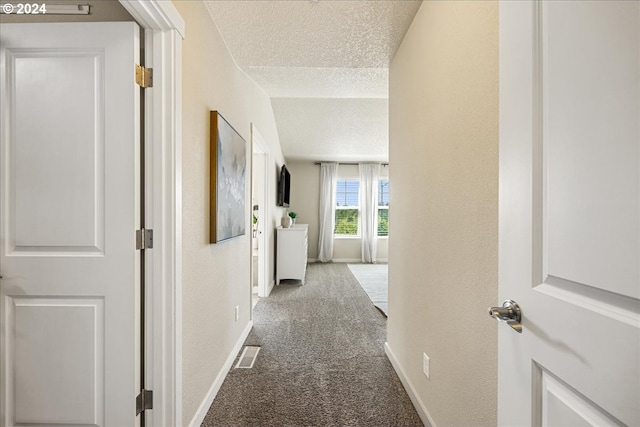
325, 64
349, 129
283, 82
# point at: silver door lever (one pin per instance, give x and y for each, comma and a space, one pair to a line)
510, 313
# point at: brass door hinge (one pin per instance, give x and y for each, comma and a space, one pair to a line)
144, 76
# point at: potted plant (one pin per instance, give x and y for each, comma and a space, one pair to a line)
255, 220
293, 216
255, 225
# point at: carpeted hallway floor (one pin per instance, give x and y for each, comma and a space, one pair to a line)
322, 361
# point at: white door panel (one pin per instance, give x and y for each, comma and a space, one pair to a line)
570, 212
562, 406
69, 171
590, 142
64, 176
75, 364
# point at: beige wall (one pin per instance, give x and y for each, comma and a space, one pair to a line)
216, 278
444, 174
305, 200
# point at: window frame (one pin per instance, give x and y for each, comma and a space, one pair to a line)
382, 207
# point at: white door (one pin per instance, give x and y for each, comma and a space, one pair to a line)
569, 212
69, 166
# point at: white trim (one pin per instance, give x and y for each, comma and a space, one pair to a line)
260, 148
198, 418
355, 237
411, 391
156, 15
164, 31
271, 286
347, 260
347, 236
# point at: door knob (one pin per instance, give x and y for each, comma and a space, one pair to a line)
510, 313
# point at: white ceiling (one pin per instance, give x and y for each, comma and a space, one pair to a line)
325, 64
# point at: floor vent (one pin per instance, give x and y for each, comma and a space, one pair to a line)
248, 357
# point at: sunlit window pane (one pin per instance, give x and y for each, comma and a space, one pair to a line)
346, 222
347, 192
383, 222
383, 192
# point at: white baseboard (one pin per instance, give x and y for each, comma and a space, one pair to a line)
217, 383
336, 260
411, 391
270, 288
349, 260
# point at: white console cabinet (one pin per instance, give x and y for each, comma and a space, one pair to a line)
292, 252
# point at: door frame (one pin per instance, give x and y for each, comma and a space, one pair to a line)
164, 32
259, 147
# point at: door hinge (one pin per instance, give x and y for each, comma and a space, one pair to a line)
144, 76
144, 239
144, 401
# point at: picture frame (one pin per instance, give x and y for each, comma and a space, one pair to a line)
227, 178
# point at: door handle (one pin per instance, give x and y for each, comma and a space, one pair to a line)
510, 313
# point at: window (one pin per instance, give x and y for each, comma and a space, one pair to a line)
383, 208
347, 207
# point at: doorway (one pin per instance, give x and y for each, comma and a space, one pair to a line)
164, 29
260, 217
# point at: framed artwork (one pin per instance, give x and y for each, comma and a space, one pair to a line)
228, 157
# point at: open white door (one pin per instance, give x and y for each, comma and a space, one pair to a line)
69, 208
569, 212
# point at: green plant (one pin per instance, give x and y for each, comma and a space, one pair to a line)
293, 215
255, 219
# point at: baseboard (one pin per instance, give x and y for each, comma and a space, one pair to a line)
336, 260
271, 286
411, 391
198, 418
348, 260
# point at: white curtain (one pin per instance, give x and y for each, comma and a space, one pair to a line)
328, 181
369, 173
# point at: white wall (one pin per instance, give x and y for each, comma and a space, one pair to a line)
216, 278
305, 200
443, 264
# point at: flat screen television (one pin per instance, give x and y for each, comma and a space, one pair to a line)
284, 187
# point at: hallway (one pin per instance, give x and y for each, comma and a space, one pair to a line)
321, 363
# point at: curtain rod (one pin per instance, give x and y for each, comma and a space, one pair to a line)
349, 163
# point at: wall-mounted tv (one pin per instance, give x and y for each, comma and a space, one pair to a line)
284, 187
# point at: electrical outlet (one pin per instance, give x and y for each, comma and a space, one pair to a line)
425, 365
237, 313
